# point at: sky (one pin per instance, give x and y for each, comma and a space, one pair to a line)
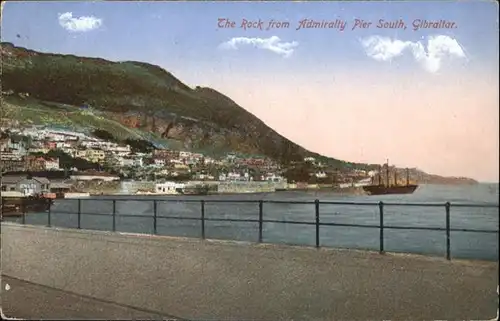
420, 97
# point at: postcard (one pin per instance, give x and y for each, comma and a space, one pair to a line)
270, 160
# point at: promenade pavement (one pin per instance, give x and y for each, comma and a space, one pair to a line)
26, 300
217, 280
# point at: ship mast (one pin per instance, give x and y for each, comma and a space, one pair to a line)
407, 176
395, 176
379, 174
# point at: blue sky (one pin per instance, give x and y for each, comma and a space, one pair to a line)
175, 35
437, 86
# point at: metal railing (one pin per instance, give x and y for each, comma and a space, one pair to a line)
261, 220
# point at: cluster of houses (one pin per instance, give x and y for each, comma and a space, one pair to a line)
27, 185
201, 167
19, 147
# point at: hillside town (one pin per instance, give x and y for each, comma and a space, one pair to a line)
75, 156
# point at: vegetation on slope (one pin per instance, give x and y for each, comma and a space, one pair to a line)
144, 97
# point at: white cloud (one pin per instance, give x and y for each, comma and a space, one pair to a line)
429, 56
273, 44
80, 24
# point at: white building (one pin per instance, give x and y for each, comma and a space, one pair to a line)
208, 160
320, 174
273, 178
138, 161
185, 154
233, 176
63, 144
205, 177
130, 161
169, 188
117, 149
55, 137
159, 162
52, 164
125, 162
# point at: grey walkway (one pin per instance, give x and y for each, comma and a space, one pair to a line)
27, 300
213, 280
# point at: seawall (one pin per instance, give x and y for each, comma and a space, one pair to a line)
249, 187
131, 187
197, 279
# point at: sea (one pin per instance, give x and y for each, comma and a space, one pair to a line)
135, 215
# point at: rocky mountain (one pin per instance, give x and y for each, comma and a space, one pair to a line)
425, 178
144, 96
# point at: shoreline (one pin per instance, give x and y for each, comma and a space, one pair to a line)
215, 193
115, 191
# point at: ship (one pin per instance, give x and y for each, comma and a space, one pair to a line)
387, 189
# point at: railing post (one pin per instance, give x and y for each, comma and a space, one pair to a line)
79, 213
202, 219
23, 209
261, 219
448, 250
155, 217
114, 215
48, 213
316, 206
381, 212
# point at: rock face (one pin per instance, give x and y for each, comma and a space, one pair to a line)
146, 97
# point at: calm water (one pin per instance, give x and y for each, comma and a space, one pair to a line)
463, 244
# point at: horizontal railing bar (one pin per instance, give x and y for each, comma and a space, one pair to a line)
415, 228
227, 201
90, 213
133, 215
169, 201
417, 204
286, 202
190, 200
385, 226
118, 214
95, 214
299, 222
349, 225
67, 213
289, 222
179, 218
474, 230
89, 199
285, 222
475, 205
231, 220
348, 203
